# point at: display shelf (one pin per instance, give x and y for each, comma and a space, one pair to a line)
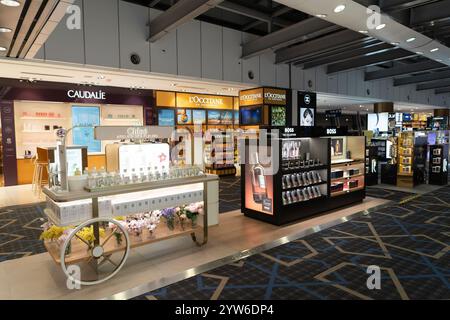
347, 178
339, 193
305, 186
314, 200
42, 118
297, 170
80, 253
346, 163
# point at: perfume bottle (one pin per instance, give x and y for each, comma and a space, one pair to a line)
259, 183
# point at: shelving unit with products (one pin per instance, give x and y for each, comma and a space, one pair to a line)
412, 154
348, 164
220, 153
296, 177
438, 164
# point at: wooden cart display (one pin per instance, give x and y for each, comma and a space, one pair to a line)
103, 257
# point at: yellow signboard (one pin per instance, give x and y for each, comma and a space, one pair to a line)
254, 97
188, 100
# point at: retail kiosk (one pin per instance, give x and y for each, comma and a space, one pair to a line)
296, 176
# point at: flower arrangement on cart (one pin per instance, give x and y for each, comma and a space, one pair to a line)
139, 226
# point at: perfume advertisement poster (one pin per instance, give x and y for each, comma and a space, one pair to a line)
337, 147
306, 117
258, 188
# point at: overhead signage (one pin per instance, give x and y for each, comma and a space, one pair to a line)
79, 94
252, 97
186, 100
260, 96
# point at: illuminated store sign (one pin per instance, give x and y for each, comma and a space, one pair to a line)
78, 94
185, 100
269, 96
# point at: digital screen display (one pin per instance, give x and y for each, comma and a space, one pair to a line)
251, 116
407, 117
236, 117
184, 116
84, 119
220, 117
199, 116
378, 122
166, 117
278, 116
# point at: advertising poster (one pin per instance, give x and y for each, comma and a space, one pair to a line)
217, 117
236, 117
278, 116
337, 147
258, 186
166, 117
199, 116
307, 103
184, 116
86, 118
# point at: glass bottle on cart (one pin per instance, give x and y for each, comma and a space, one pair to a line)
259, 183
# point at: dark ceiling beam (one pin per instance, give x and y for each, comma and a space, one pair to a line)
180, 13
277, 13
442, 90
433, 12
252, 13
423, 78
300, 31
348, 54
337, 51
404, 69
153, 3
397, 5
370, 60
329, 42
433, 85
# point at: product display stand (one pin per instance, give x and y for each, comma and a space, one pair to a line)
438, 165
309, 180
113, 201
372, 154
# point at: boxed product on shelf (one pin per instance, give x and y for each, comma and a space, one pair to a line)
337, 174
76, 211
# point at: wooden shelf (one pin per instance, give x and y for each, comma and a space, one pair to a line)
348, 178
340, 193
81, 253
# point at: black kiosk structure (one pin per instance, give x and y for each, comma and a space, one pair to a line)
300, 172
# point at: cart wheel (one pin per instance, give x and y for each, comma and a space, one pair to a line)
97, 263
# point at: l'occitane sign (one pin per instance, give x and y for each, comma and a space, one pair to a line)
186, 100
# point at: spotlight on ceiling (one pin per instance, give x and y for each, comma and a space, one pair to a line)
2, 49
321, 15
10, 3
380, 26
363, 31
410, 39
339, 8
434, 49
5, 30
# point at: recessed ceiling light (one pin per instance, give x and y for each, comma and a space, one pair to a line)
173, 84
10, 3
439, 60
321, 15
410, 39
2, 49
380, 26
395, 43
339, 8
5, 30
101, 77
434, 49
363, 31
419, 52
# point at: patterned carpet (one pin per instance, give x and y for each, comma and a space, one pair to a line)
410, 243
229, 194
20, 231
387, 194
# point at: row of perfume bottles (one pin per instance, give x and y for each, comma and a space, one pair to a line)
103, 179
300, 195
301, 179
296, 164
291, 149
